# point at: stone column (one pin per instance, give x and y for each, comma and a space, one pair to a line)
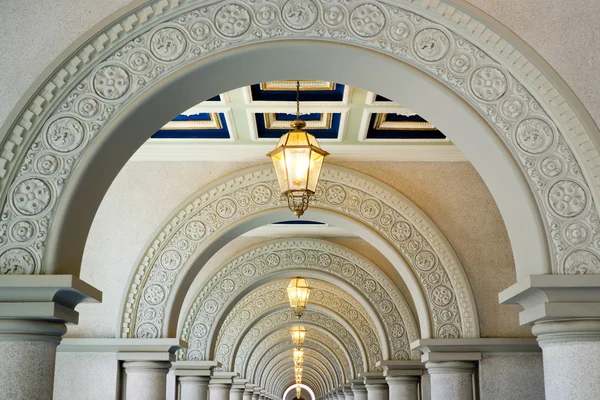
146, 379
256, 394
451, 380
248, 391
358, 389
340, 393
377, 388
193, 378
403, 378
348, 394
565, 312
262, 395
237, 389
220, 384
33, 312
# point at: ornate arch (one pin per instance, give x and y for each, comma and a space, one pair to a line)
338, 352
342, 192
272, 297
47, 138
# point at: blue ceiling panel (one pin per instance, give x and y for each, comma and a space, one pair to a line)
331, 129
336, 94
187, 127
389, 126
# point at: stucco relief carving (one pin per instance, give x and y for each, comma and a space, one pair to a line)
347, 364
350, 340
343, 192
280, 352
274, 296
120, 71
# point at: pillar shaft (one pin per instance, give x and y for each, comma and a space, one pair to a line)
248, 393
219, 391
403, 387
146, 380
359, 390
193, 387
28, 355
571, 350
236, 394
451, 380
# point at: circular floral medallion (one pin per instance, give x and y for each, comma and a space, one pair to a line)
448, 331
111, 82
266, 15
261, 194
31, 196
226, 208
335, 195
551, 166
431, 44
65, 134
576, 233
170, 260
195, 230
200, 31
22, 231
17, 262
88, 107
146, 331
441, 295
534, 136
425, 260
298, 257
168, 44
139, 61
46, 164
300, 14
370, 209
401, 231
228, 285
582, 262
334, 15
567, 198
489, 83
400, 31
232, 20
367, 20
460, 63
512, 108
211, 306
200, 330
154, 294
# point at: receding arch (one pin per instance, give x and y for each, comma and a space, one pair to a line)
73, 80
304, 387
273, 297
348, 199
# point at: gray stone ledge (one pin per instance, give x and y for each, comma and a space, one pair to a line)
438, 350
118, 345
67, 290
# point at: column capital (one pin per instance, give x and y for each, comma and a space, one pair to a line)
446, 367
437, 350
347, 388
567, 331
373, 378
194, 368
239, 384
143, 366
401, 368
555, 297
222, 378
145, 349
358, 385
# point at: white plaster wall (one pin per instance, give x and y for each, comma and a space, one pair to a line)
34, 32
510, 376
86, 376
144, 194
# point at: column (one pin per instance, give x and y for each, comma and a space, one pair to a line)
403, 378
256, 394
219, 387
348, 394
193, 378
237, 389
565, 313
339, 393
262, 394
451, 380
358, 389
33, 312
377, 388
248, 391
146, 379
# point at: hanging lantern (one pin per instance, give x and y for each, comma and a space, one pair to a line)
298, 354
298, 160
298, 391
298, 335
298, 292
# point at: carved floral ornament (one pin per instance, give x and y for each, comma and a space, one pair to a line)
342, 191
267, 299
90, 88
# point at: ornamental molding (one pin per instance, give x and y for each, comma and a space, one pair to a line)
315, 335
215, 209
312, 351
48, 136
362, 357
273, 297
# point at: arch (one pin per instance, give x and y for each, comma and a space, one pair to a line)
293, 387
73, 101
348, 199
317, 334
269, 298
